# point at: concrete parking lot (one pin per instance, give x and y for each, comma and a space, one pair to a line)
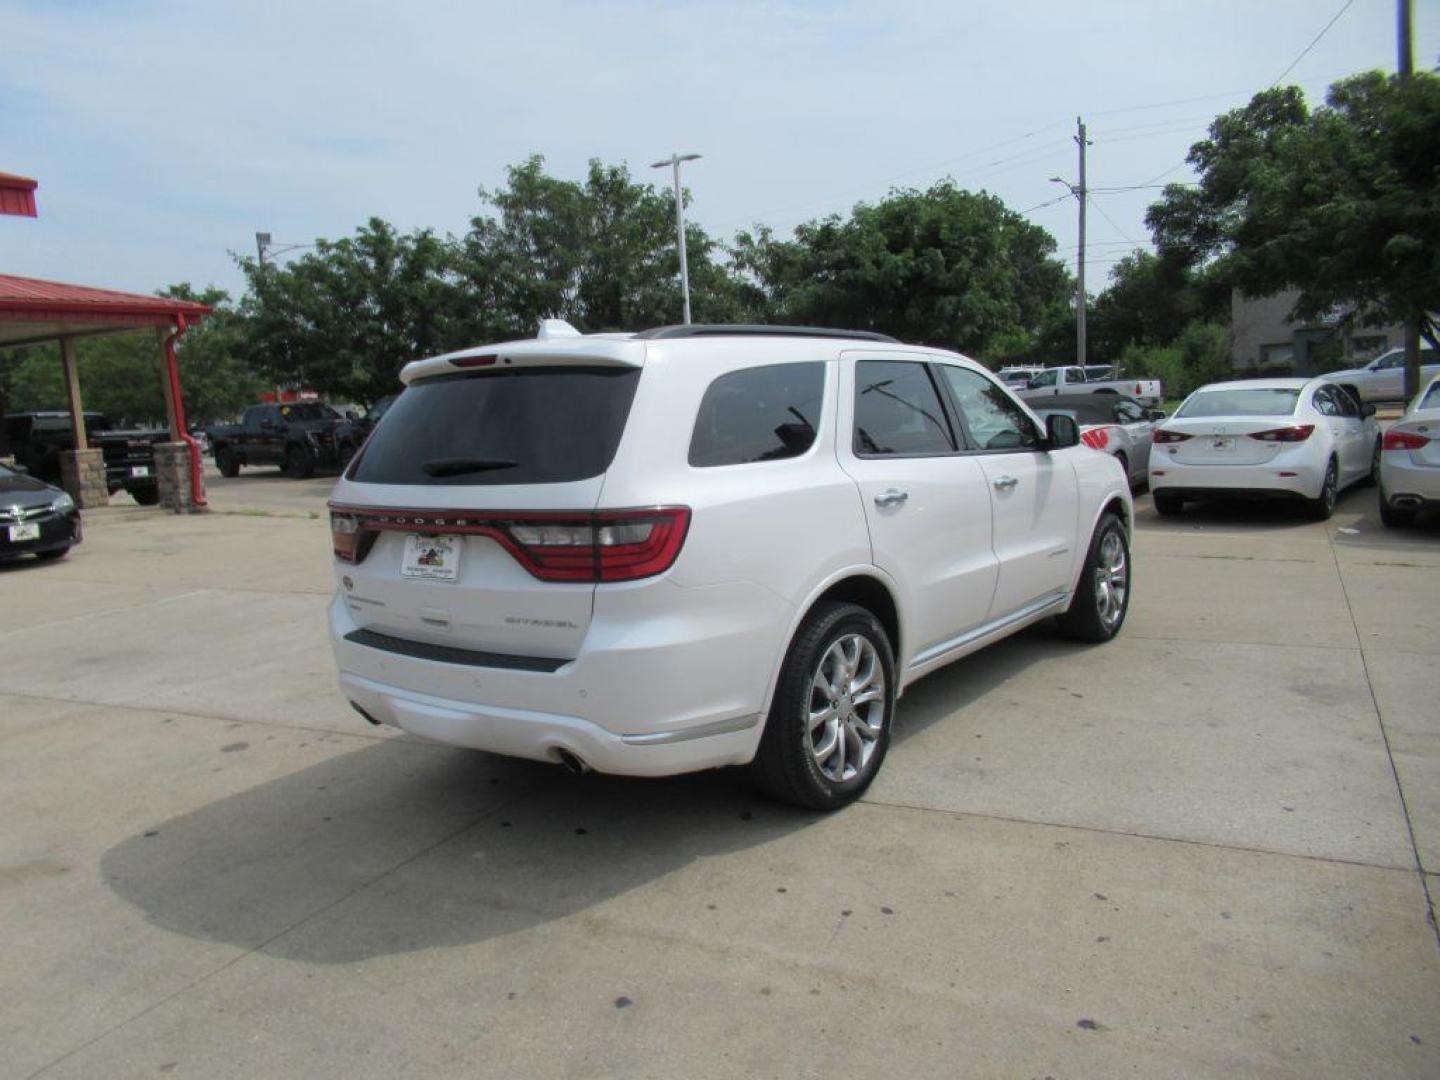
1201, 850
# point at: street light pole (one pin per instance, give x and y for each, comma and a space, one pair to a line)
674, 161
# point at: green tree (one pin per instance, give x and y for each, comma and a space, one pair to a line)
216, 377
944, 266
1341, 202
344, 318
1149, 301
600, 254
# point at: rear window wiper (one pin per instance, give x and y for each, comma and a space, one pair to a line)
457, 466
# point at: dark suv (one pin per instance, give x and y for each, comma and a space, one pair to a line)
37, 438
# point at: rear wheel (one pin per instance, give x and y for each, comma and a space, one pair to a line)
227, 462
1098, 610
299, 462
1374, 477
829, 725
1321, 508
1168, 505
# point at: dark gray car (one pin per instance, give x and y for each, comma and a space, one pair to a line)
35, 518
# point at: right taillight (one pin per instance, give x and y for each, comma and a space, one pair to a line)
1403, 440
1163, 436
1293, 433
344, 535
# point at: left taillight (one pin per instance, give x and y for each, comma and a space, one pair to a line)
1293, 433
1096, 438
345, 536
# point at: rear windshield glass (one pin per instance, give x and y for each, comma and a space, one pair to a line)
1249, 401
1431, 400
529, 426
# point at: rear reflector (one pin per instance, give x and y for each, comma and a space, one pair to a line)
608, 545
1294, 433
1403, 440
1163, 436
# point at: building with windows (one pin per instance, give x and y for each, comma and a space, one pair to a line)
1267, 340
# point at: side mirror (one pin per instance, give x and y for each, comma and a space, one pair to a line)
351, 414
1155, 414
1367, 411
1061, 431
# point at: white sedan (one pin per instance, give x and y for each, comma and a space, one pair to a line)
1410, 460
1302, 439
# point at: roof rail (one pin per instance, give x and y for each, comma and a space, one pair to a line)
759, 330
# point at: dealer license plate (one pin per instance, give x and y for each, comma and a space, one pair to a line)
139, 470
30, 531
435, 558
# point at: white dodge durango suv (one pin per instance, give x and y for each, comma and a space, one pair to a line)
700, 546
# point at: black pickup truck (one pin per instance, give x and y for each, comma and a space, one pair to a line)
299, 438
36, 439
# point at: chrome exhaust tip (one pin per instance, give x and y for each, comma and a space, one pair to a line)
1405, 502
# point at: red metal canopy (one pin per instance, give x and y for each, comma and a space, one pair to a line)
17, 195
32, 310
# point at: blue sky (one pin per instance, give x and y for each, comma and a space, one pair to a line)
165, 134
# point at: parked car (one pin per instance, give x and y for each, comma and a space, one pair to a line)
1119, 426
1303, 439
1410, 460
1017, 377
37, 438
1073, 380
299, 437
703, 546
1383, 379
35, 518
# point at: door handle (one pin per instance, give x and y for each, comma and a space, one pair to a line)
1005, 483
891, 497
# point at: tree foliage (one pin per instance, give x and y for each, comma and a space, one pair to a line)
1341, 202
944, 266
1150, 301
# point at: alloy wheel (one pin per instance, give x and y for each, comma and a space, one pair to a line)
1112, 580
847, 708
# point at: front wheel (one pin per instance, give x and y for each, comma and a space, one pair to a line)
829, 725
299, 463
146, 495
227, 462
1100, 603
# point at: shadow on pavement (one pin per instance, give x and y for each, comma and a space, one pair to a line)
430, 847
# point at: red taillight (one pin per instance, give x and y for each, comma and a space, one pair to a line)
1294, 433
1163, 436
1403, 440
1096, 438
609, 545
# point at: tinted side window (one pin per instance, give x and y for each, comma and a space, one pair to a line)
992, 418
1045, 378
1325, 403
898, 410
1346, 400
758, 414
1127, 412
527, 426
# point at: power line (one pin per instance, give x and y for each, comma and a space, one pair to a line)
1306, 51
1111, 220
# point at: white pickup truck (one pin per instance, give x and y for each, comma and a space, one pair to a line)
1072, 380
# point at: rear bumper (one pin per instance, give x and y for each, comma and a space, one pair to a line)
1236, 481
647, 696
1407, 485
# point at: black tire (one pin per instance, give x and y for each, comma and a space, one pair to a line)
1393, 517
1322, 508
1168, 505
227, 462
1373, 480
299, 462
52, 555
786, 766
147, 495
1093, 615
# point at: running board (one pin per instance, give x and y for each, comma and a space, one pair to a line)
1032, 610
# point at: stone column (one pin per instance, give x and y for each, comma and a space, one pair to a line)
82, 472
172, 472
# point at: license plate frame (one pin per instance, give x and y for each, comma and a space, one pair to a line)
26, 530
432, 558
1222, 443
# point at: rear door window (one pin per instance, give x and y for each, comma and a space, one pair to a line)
758, 414
525, 426
898, 410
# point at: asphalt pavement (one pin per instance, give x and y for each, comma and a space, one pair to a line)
1204, 849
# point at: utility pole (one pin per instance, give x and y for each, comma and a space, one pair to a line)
1405, 65
262, 241
1081, 193
674, 161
